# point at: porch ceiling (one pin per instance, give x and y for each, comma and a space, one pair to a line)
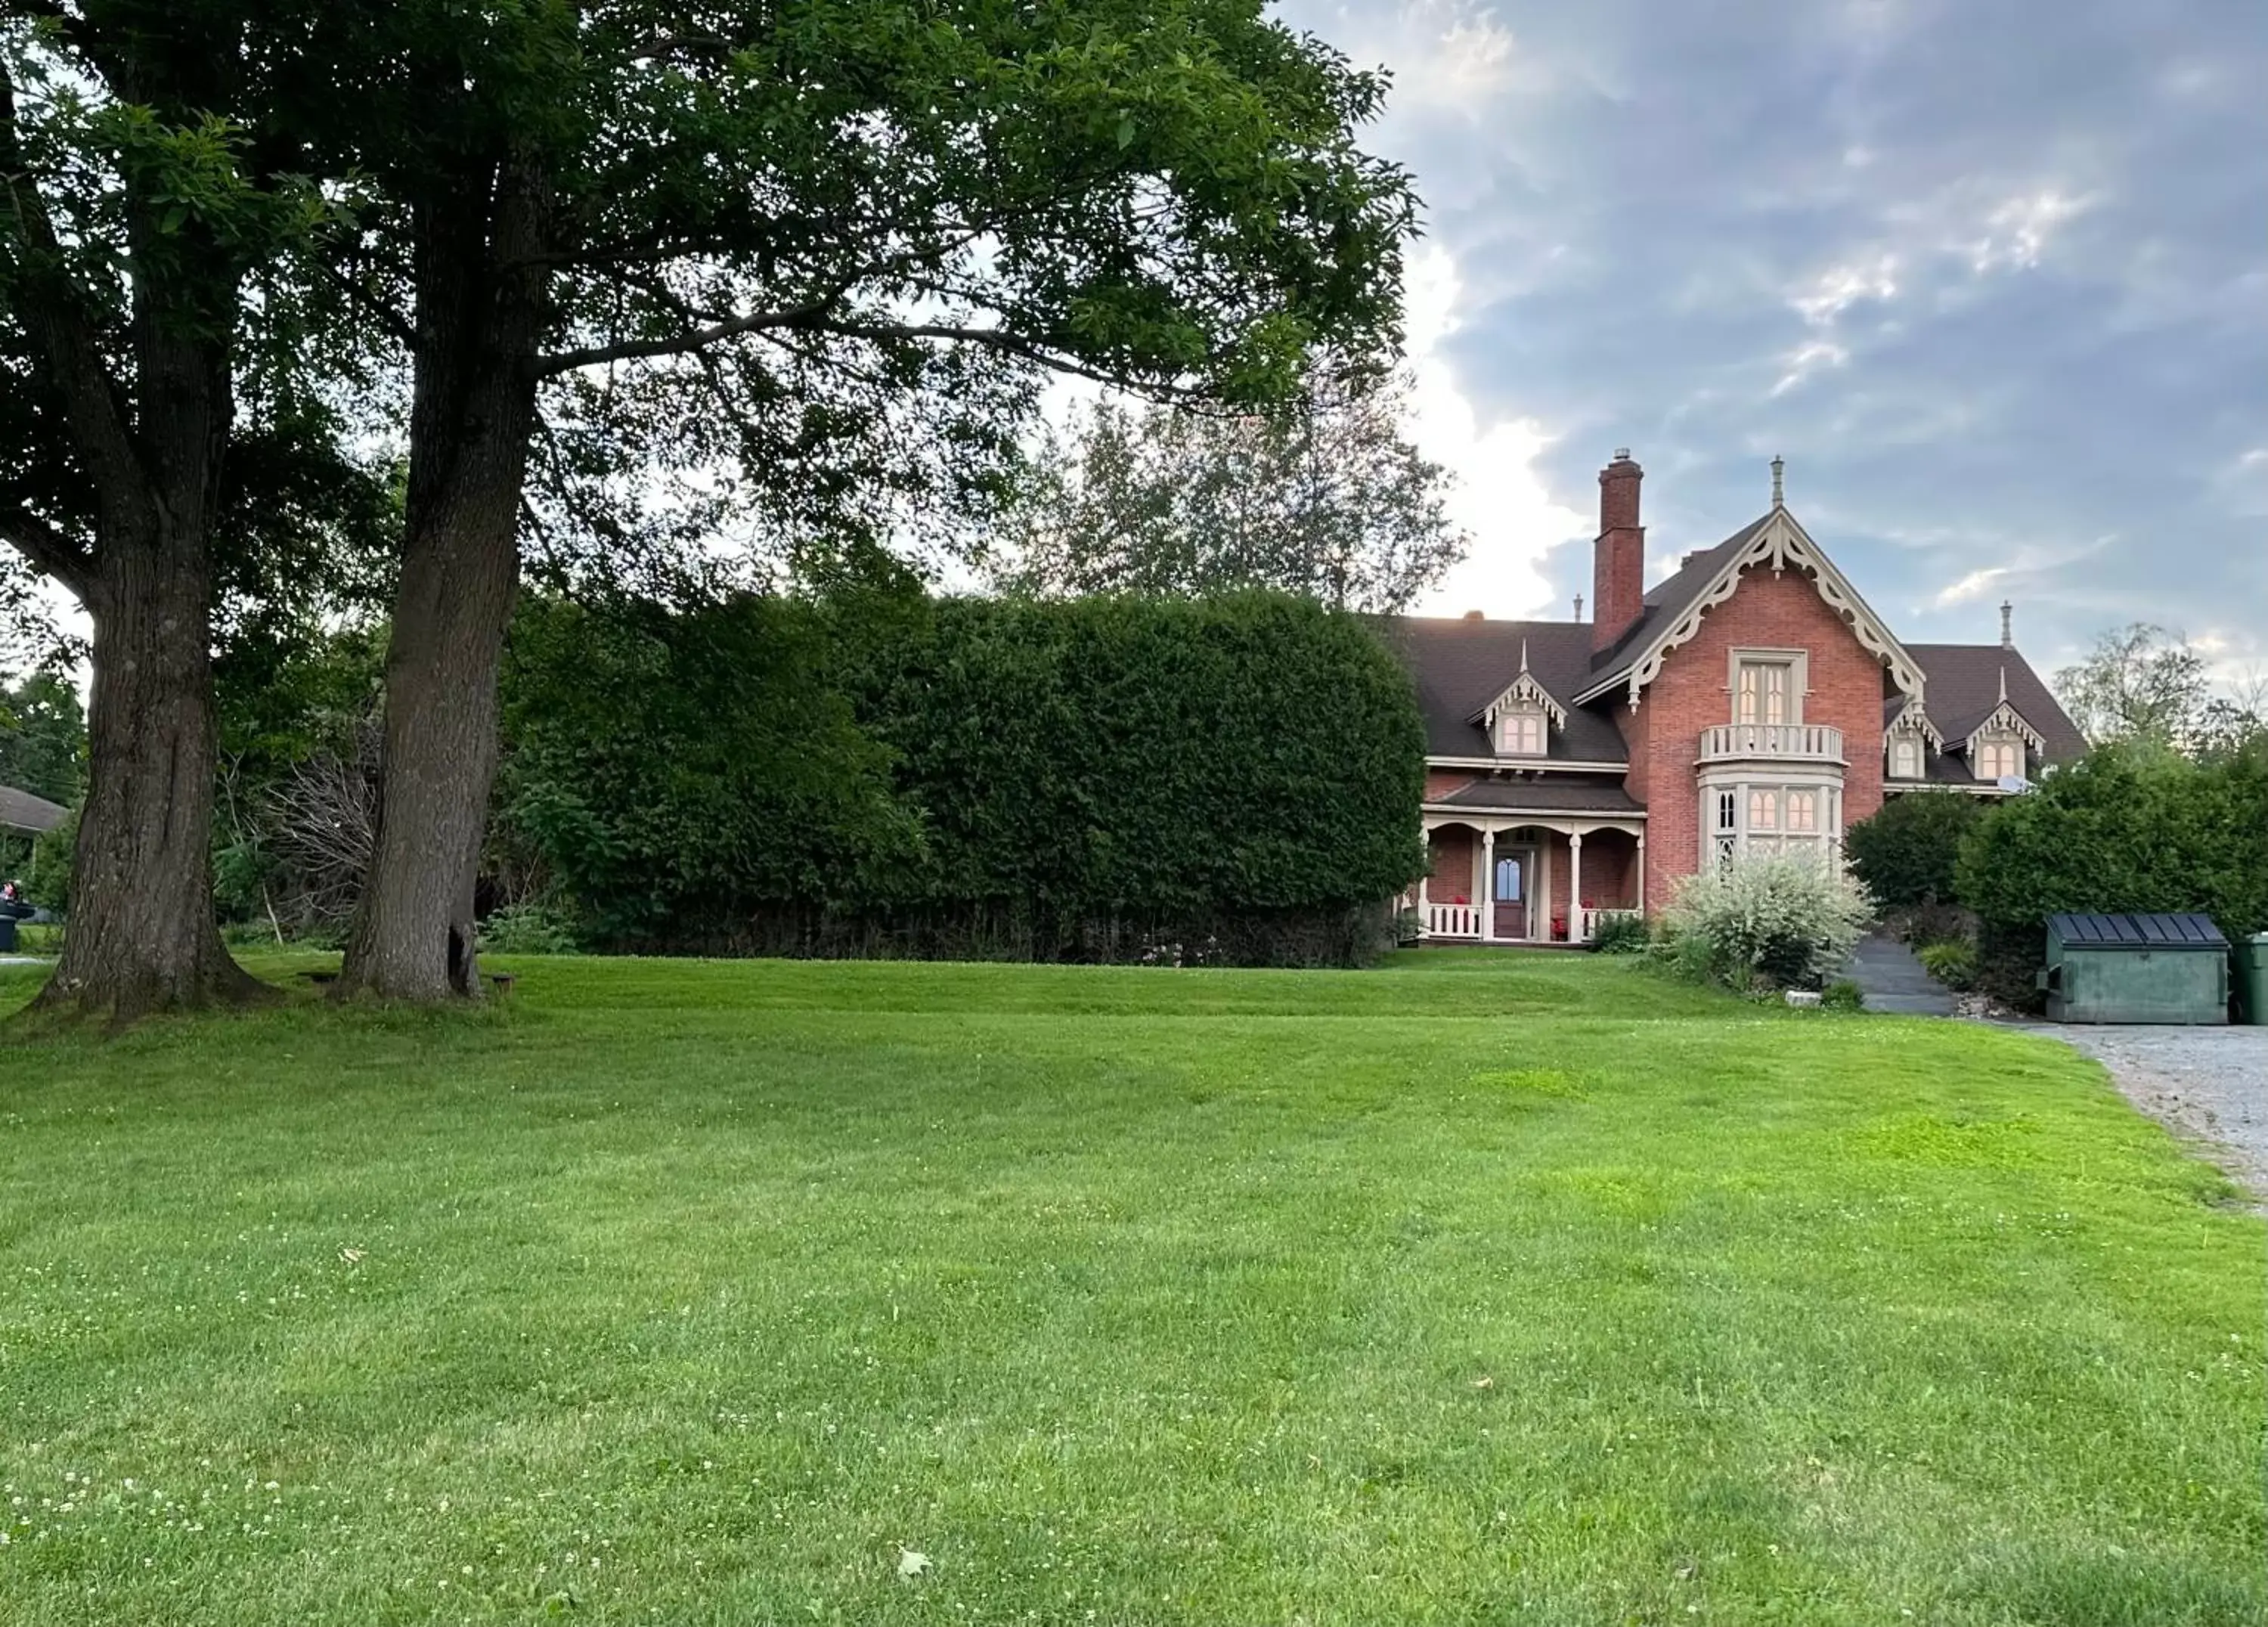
1540, 797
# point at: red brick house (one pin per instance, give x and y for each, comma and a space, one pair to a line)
1751, 701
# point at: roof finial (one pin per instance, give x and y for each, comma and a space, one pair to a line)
1579, 607
2008, 638
2004, 683
1779, 494
1523, 655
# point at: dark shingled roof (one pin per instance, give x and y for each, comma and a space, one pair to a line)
1460, 665
1964, 687
1669, 598
1556, 795
20, 810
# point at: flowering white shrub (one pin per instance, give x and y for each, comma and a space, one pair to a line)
1785, 920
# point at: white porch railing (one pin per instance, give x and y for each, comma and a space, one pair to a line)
1464, 921
1777, 742
1453, 920
1589, 921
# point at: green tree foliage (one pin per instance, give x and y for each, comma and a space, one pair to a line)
2143, 682
168, 421
43, 738
1234, 778
1905, 852
2132, 826
1325, 497
801, 265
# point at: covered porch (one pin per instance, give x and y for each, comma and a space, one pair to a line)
1522, 878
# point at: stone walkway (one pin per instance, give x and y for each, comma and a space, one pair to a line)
1893, 980
2209, 1085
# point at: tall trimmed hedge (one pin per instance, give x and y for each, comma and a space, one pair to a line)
1906, 851
2129, 827
1234, 779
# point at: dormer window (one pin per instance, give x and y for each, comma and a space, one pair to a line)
1905, 758
1996, 746
1519, 720
2000, 759
1521, 733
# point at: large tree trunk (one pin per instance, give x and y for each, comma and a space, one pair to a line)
413, 930
141, 938
480, 318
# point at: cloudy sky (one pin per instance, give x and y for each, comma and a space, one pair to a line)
1992, 276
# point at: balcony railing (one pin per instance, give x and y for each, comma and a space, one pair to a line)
1774, 742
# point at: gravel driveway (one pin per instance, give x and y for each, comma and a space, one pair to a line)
2207, 1083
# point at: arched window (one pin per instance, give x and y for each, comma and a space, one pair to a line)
1906, 759
2000, 759
1523, 733
1507, 881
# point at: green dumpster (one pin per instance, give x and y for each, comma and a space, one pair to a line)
2168, 968
2252, 978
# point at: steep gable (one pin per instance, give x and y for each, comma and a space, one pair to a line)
1676, 609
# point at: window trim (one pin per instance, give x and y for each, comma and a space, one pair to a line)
1512, 715
1991, 748
1798, 662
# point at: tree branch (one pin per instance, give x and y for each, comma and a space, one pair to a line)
678, 344
397, 327
49, 551
999, 339
49, 306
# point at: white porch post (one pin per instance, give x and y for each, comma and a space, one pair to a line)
1486, 893
1426, 874
1575, 886
1641, 874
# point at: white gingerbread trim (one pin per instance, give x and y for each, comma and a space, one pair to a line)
1783, 544
1914, 720
2005, 721
1523, 691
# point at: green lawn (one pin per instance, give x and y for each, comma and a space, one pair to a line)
1518, 1289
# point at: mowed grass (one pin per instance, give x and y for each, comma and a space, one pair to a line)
1480, 1289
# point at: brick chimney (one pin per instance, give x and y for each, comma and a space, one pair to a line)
1618, 557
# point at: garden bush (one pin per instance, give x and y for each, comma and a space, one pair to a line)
1621, 934
1775, 921
1905, 854
2129, 827
535, 927
1842, 995
1952, 962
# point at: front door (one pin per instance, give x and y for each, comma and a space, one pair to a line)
1515, 879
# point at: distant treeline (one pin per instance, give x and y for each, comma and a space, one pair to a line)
1232, 779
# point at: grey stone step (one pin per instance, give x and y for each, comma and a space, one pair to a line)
1893, 980
1911, 1004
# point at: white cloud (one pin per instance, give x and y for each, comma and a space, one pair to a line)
1976, 584
2016, 231
1447, 55
1500, 497
1807, 359
1826, 296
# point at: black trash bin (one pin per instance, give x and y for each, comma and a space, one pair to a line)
7, 933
